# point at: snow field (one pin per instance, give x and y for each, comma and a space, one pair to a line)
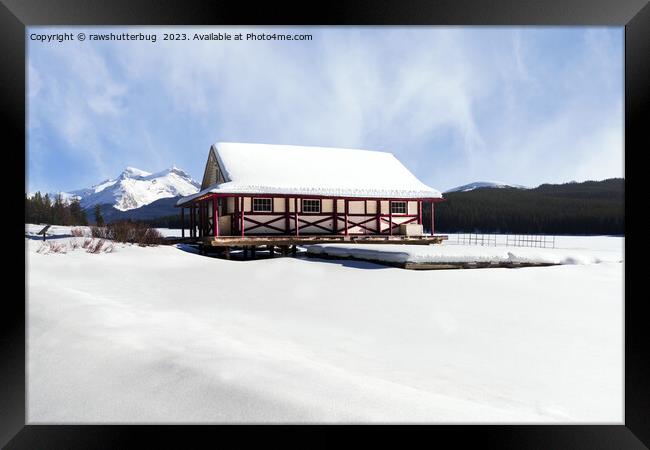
159, 334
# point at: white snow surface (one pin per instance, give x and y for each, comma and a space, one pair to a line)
289, 169
163, 335
442, 253
135, 188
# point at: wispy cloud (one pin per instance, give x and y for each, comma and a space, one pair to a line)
455, 104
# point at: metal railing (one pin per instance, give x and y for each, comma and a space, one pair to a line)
506, 240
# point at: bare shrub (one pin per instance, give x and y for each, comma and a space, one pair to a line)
110, 248
122, 231
128, 232
95, 247
150, 236
133, 233
87, 243
100, 232
57, 247
77, 232
51, 247
74, 244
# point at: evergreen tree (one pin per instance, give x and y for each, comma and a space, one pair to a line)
28, 210
99, 219
58, 215
39, 209
571, 208
77, 215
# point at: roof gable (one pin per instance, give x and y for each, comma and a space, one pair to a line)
212, 174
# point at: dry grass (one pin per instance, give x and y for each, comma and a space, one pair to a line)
101, 239
89, 244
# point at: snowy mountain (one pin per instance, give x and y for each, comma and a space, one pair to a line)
484, 184
135, 188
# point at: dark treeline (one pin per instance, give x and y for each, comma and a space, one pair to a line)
42, 209
592, 207
167, 221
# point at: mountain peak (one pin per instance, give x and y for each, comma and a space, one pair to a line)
135, 188
134, 171
485, 184
179, 171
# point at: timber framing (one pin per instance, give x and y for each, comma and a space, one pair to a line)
206, 212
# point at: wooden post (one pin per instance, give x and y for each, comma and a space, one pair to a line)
182, 221
215, 216
271, 251
293, 250
204, 205
235, 216
432, 227
201, 218
253, 252
335, 218
378, 217
390, 217
242, 216
192, 219
295, 215
420, 212
287, 223
346, 216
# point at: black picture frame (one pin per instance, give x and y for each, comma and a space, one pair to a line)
15, 15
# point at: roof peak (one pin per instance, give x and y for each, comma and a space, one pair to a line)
299, 147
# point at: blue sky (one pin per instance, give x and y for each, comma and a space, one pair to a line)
524, 105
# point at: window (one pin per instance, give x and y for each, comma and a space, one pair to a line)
398, 207
262, 205
311, 206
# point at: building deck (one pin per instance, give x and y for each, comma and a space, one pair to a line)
279, 241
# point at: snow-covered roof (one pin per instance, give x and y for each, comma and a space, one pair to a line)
322, 171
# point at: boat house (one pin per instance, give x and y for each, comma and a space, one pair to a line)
253, 190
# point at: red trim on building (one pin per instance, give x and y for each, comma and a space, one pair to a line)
295, 215
201, 225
